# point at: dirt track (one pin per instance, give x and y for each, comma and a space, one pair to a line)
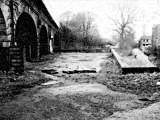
76, 96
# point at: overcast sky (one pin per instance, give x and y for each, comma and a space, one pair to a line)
148, 13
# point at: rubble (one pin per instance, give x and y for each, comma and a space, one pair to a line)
142, 84
79, 71
78, 96
50, 71
13, 84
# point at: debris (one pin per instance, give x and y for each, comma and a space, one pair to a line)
50, 71
155, 96
79, 71
51, 83
142, 84
144, 99
158, 83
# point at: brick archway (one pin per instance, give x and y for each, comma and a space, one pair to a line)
44, 45
26, 36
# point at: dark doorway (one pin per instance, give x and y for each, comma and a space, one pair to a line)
26, 36
44, 44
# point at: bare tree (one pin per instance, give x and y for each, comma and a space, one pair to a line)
66, 17
79, 30
123, 23
83, 22
83, 25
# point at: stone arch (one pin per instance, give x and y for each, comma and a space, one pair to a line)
34, 16
26, 36
43, 39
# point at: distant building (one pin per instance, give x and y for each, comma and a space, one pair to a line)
156, 36
145, 42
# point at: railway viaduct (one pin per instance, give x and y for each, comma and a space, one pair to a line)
26, 31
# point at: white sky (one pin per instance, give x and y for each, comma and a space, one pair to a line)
148, 12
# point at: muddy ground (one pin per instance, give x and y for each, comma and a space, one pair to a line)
81, 86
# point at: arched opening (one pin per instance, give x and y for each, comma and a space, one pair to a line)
26, 36
4, 51
44, 45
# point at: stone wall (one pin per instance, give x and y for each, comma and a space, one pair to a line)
36, 13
